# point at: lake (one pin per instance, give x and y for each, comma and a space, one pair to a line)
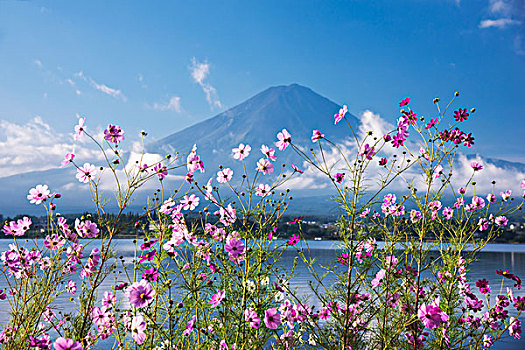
493, 257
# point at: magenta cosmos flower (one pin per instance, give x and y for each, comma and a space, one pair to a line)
242, 151
404, 102
341, 114
251, 316
293, 240
86, 173
368, 151
114, 134
140, 294
234, 247
272, 318
66, 344
38, 194
431, 315
284, 138
161, 171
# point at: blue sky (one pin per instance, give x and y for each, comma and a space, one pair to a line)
162, 66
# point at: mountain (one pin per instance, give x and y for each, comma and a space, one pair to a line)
257, 121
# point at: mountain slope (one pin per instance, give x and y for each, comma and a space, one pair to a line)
257, 121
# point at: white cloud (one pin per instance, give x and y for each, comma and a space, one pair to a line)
504, 7
172, 105
199, 73
498, 23
38, 63
35, 146
116, 93
107, 90
507, 178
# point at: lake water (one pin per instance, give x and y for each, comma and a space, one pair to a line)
493, 257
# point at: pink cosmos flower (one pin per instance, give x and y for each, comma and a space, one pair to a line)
161, 171
209, 192
505, 195
54, 242
491, 198
325, 314
501, 221
194, 162
38, 194
431, 315
86, 173
264, 166
476, 166
293, 240
241, 152
224, 175
66, 344
190, 202
339, 177
86, 228
284, 138
114, 134
380, 275
262, 190
341, 114
438, 171
109, 300
71, 287
217, 298
297, 169
268, 152
251, 316
316, 135
382, 161
68, 159
522, 184
404, 102
140, 294
415, 216
138, 326
478, 203
234, 247
424, 153
99, 316
79, 128
272, 319
190, 326
448, 213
